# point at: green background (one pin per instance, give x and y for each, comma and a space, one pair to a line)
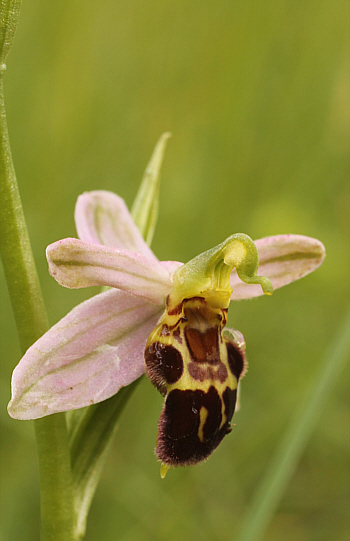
256, 95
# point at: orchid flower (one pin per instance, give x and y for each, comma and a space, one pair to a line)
98, 347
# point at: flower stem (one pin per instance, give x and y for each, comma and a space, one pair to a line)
56, 492
18, 262
57, 511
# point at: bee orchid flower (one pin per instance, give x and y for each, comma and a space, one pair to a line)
99, 346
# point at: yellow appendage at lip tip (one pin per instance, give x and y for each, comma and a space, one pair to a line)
163, 470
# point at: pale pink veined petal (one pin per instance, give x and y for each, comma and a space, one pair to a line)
86, 357
75, 264
171, 266
283, 259
102, 217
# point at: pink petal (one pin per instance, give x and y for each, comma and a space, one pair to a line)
85, 358
75, 264
102, 217
283, 259
171, 266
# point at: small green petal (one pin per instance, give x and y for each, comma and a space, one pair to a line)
208, 274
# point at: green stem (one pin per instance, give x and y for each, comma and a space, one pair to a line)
287, 455
16, 253
57, 511
56, 492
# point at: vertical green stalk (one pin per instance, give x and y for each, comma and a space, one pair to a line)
56, 491
57, 511
16, 253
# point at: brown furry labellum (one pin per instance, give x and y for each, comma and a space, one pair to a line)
196, 365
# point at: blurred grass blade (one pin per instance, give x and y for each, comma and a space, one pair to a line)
293, 444
91, 435
145, 207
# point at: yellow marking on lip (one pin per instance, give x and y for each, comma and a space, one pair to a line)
223, 413
203, 414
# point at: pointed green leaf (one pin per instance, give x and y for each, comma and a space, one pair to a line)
91, 431
145, 207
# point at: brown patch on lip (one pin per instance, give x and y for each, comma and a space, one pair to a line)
235, 360
165, 330
224, 317
201, 373
176, 311
203, 346
184, 436
164, 365
177, 335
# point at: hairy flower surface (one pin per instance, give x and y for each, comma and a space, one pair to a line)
98, 347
